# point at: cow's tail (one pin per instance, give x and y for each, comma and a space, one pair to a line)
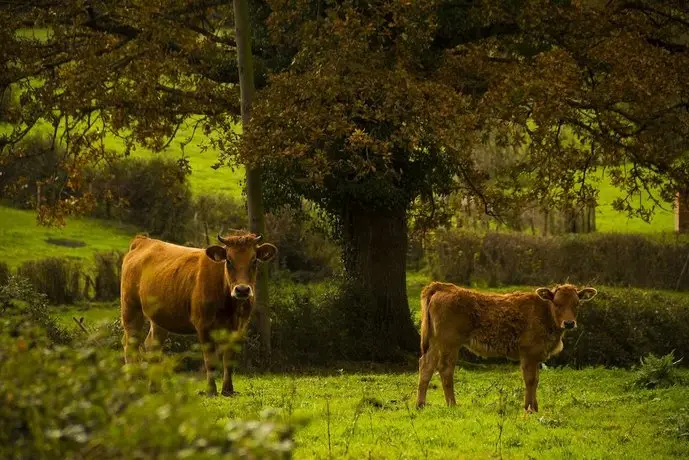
426, 324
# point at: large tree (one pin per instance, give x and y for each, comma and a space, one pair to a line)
385, 104
367, 108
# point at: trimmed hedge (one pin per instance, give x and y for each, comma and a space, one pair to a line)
321, 324
58, 278
619, 326
604, 259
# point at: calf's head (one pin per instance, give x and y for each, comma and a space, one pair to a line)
564, 301
241, 255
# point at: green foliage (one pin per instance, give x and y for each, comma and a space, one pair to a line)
79, 402
106, 285
513, 258
657, 372
4, 273
23, 306
58, 278
153, 195
34, 169
325, 323
305, 250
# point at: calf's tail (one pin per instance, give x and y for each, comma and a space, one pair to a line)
426, 325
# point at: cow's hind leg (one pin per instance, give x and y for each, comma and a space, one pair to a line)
153, 346
427, 364
155, 338
446, 369
132, 320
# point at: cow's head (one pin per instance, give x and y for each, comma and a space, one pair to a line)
241, 255
564, 301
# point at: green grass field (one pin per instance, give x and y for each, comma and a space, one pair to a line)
21, 238
585, 414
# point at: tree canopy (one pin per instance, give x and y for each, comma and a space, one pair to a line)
367, 108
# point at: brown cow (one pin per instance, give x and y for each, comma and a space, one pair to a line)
522, 326
191, 291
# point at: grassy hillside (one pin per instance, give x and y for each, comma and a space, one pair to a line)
21, 238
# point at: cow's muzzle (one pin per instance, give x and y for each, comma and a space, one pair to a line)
242, 292
569, 324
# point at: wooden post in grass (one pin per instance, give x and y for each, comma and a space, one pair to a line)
682, 212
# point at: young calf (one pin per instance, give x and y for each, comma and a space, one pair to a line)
522, 326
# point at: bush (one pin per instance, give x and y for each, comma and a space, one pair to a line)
657, 372
64, 402
107, 275
211, 214
151, 194
323, 323
304, 250
33, 309
4, 273
620, 326
32, 162
78, 403
514, 258
57, 278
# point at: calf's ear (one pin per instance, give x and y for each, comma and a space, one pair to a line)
545, 293
587, 294
265, 252
216, 253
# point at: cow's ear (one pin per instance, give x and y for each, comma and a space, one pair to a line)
216, 253
545, 293
587, 294
265, 252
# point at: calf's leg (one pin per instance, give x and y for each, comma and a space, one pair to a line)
446, 368
530, 375
427, 365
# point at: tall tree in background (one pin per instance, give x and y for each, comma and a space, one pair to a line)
254, 194
368, 108
385, 101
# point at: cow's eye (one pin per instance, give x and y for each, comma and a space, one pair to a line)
229, 263
254, 262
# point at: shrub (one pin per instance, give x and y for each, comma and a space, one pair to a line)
304, 249
79, 402
620, 326
108, 268
9, 105
152, 194
57, 278
4, 273
514, 258
324, 323
211, 214
32, 162
657, 372
32, 309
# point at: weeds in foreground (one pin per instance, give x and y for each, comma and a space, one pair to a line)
657, 372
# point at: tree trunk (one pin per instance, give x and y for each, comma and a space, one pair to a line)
375, 253
254, 192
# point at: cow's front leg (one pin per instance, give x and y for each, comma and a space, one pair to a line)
209, 360
227, 387
530, 375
